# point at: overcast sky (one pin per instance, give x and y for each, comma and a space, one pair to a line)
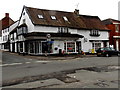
102, 8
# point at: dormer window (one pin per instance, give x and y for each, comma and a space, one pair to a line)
65, 18
53, 17
40, 16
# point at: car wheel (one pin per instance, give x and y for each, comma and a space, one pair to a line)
107, 55
118, 54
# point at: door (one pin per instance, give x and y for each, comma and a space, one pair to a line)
78, 47
44, 47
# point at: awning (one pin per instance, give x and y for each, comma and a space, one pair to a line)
98, 40
40, 34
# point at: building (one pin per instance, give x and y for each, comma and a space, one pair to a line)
6, 22
41, 31
4, 31
13, 37
114, 26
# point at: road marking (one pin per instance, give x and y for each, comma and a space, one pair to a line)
42, 61
11, 64
27, 62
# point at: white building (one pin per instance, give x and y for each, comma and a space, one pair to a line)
43, 31
13, 37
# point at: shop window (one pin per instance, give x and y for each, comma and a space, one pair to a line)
31, 47
96, 45
69, 46
21, 47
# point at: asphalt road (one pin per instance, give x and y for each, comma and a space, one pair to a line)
15, 66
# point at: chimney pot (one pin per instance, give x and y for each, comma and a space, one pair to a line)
76, 11
6, 14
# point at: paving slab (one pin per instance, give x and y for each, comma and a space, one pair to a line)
38, 84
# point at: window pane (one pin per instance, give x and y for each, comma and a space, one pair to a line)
53, 17
70, 46
40, 16
65, 18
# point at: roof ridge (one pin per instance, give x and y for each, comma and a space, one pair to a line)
49, 10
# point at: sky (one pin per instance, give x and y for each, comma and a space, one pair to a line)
104, 9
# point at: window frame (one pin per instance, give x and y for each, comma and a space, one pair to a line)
116, 27
53, 17
65, 18
40, 16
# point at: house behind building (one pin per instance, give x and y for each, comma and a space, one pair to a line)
114, 26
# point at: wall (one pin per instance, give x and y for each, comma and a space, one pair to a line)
28, 21
45, 29
86, 46
59, 45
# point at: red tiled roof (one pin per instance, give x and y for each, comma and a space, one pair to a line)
110, 21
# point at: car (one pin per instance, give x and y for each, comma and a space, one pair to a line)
107, 51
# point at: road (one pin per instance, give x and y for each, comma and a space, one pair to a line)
16, 67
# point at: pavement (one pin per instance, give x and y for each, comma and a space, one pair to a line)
53, 57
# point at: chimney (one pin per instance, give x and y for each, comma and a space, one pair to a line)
6, 14
76, 12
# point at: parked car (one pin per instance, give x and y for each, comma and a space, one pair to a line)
107, 51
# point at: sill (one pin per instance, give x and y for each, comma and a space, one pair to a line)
95, 35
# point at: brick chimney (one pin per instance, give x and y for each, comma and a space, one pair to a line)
76, 12
6, 14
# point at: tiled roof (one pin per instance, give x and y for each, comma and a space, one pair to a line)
110, 21
74, 21
93, 22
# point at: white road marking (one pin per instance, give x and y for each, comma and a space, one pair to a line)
27, 62
42, 61
11, 64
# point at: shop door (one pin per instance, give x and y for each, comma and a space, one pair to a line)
78, 47
44, 47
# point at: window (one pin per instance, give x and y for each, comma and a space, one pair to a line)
53, 17
69, 46
23, 13
65, 18
40, 16
96, 45
117, 27
94, 33
63, 30
22, 30
24, 20
21, 46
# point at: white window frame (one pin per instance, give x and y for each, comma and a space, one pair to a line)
66, 46
40, 16
53, 17
65, 18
